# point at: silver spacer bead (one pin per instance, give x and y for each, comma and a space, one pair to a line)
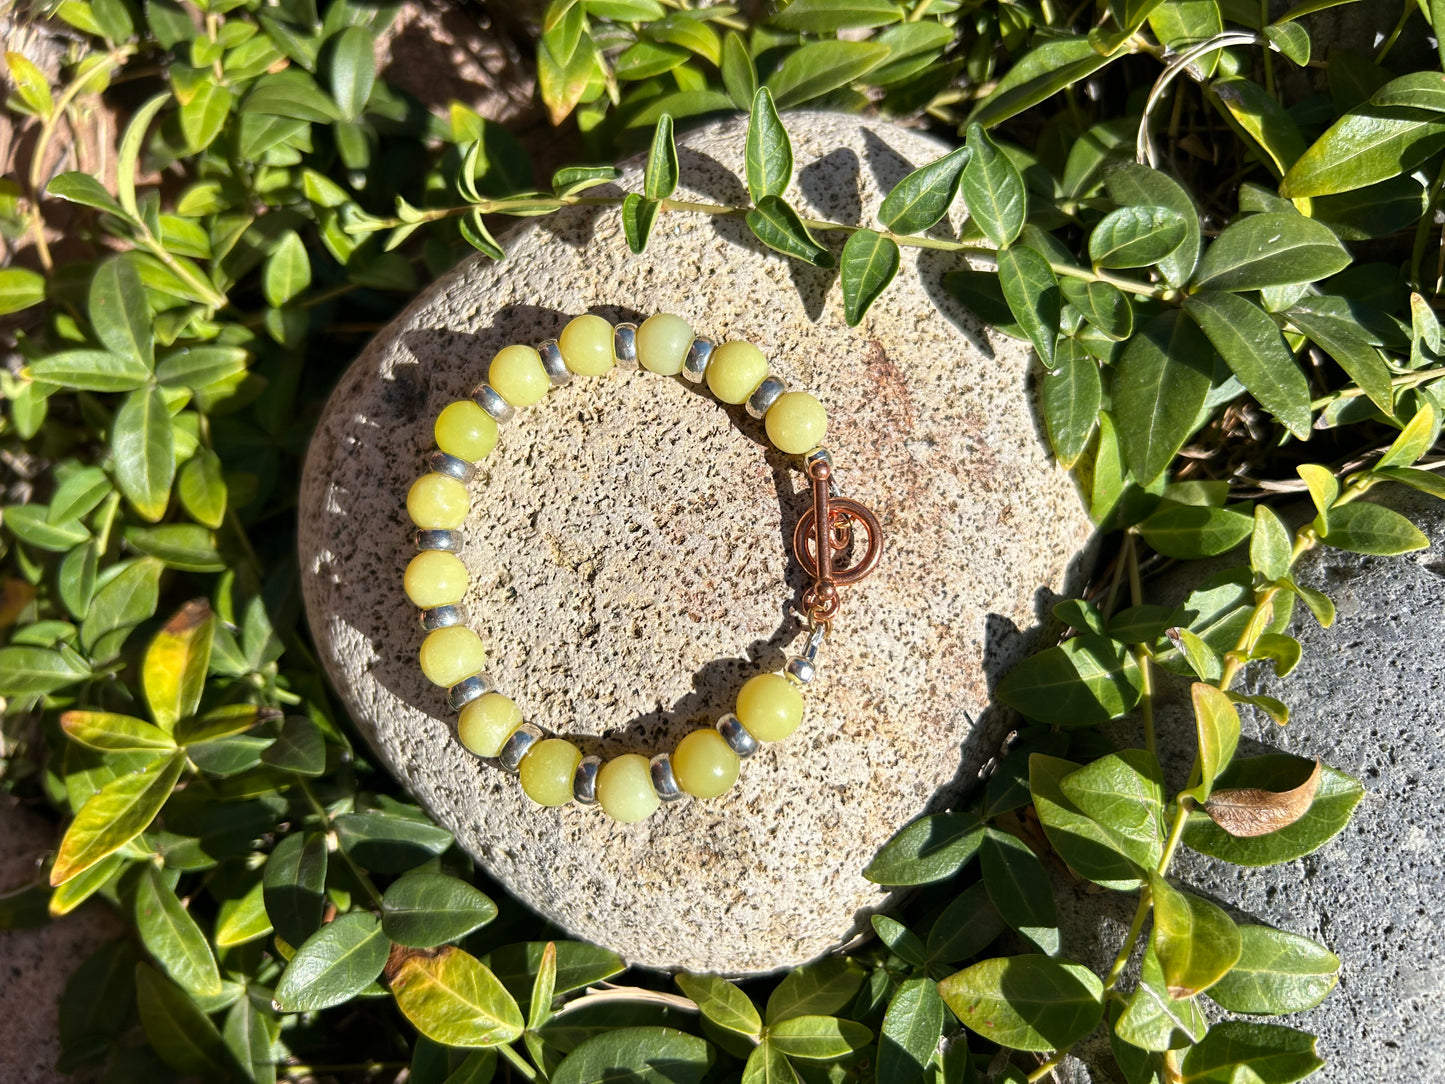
442, 617
768, 393
451, 541
464, 692
816, 455
584, 781
624, 346
800, 671
439, 462
695, 364
518, 746
736, 735
663, 781
490, 400
557, 371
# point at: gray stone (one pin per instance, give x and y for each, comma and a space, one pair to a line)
628, 545
1367, 699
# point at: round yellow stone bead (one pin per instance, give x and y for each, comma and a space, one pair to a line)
770, 707
516, 374
704, 765
586, 345
735, 371
662, 343
546, 771
437, 503
624, 789
487, 722
435, 578
465, 430
451, 654
796, 422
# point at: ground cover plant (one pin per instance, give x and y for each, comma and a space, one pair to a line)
1219, 236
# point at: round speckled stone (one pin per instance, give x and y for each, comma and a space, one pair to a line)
629, 566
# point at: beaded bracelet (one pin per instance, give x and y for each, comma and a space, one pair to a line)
769, 706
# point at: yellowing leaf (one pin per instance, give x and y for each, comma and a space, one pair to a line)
115, 815
174, 672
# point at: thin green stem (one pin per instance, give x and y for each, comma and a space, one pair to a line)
362, 878
1395, 34
1176, 834
1055, 1060
1136, 927
518, 1062
1406, 380
1423, 229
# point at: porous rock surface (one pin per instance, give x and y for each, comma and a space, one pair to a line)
631, 568
1366, 698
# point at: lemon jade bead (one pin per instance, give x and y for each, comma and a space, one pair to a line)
448, 655
487, 722
770, 706
546, 771
465, 430
735, 371
516, 374
662, 343
586, 345
704, 765
624, 789
435, 578
796, 422
437, 503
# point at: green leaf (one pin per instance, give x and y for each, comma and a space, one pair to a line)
84, 189
1269, 546
659, 180
1367, 145
454, 999
352, 70
241, 919
1251, 343
1082, 682
1159, 387
19, 289
292, 94
638, 215
1422, 480
578, 964
118, 311
1277, 972
1070, 397
823, 987
294, 885
1271, 249
769, 152
637, 1055
31, 524
142, 442
299, 749
171, 935
965, 928
335, 964
1084, 844
202, 488
912, 1028
768, 1065
721, 1003
830, 16
1041, 73
122, 603
901, 941
869, 263
922, 198
1136, 236
179, 1031
174, 671
813, 70
1102, 304
109, 732
1033, 296
993, 189
1361, 362
1217, 725
92, 370
1026, 1002
818, 1038
95, 1008
1191, 531
287, 273
1324, 487
1371, 528
1195, 941
387, 843
1154, 1020
778, 226
1133, 185
1262, 119
204, 114
427, 909
115, 815
128, 156
198, 366
570, 180
1236, 1051
1123, 793
30, 82
739, 73
1018, 885
1414, 440
932, 848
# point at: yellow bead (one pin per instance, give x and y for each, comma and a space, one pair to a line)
770, 707
546, 771
704, 765
735, 371
487, 722
466, 431
624, 789
451, 654
437, 503
796, 422
662, 343
586, 345
516, 374
435, 578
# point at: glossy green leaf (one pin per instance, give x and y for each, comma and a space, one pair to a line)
1270, 548
352, 70
119, 605
901, 941
1042, 72
924, 196
932, 848
294, 885
1153, 1019
1361, 362
242, 919
1362, 527
739, 73
299, 748
769, 153
185, 546
121, 810
993, 189
777, 225
578, 964
1277, 972
823, 987
19, 289
1133, 185
659, 179
1018, 885
387, 843
813, 70
637, 1055
830, 16
454, 999
204, 114
92, 370
767, 1064
128, 155
1270, 249
1413, 442
334, 964
143, 444
171, 935
84, 189
1422, 480
818, 1038
179, 1031
287, 273
1083, 843
721, 1003
1081, 682
32, 524
1123, 793
1070, 397
1136, 236
912, 1028
868, 265
108, 732
118, 311
638, 215
1195, 941
1217, 726
1235, 1051
965, 927
1263, 120
1367, 145
1026, 1002
1033, 296
1158, 390
202, 489
30, 83
427, 909
1193, 531
95, 1008
1102, 304
1251, 343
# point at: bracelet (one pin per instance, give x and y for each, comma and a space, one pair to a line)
705, 763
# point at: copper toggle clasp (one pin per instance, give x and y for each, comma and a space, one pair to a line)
824, 532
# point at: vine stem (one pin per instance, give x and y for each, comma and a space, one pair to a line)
1048, 1067
362, 878
518, 1062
